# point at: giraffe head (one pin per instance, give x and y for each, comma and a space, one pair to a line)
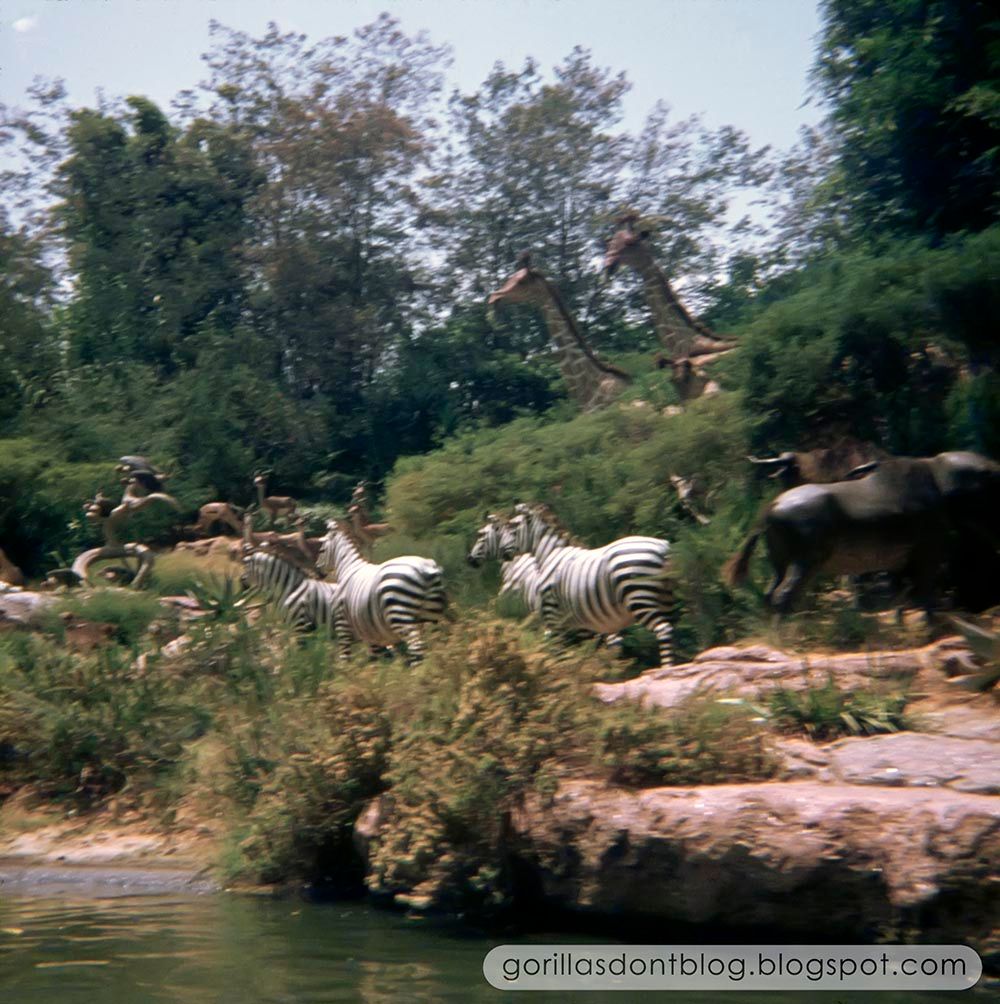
628, 246
524, 286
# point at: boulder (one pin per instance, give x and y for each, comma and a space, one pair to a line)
23, 608
847, 860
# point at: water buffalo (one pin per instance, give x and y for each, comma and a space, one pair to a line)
843, 460
894, 517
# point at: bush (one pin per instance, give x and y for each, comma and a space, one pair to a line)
86, 726
826, 712
129, 611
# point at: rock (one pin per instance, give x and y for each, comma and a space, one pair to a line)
910, 759
24, 607
847, 860
749, 670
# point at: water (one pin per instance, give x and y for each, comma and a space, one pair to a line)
224, 949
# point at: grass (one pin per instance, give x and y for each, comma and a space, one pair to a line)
291, 743
130, 612
177, 572
827, 712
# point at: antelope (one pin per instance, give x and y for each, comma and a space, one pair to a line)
273, 505
217, 512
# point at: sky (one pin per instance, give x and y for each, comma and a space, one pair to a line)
736, 62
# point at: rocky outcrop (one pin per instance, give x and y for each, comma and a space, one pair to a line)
847, 860
891, 835
23, 608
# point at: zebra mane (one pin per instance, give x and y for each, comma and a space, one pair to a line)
348, 531
288, 554
544, 512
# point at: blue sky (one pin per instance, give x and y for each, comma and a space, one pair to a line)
737, 62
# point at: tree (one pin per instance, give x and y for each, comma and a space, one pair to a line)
914, 93
154, 220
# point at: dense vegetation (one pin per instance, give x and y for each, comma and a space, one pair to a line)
289, 271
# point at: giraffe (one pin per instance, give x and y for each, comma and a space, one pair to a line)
682, 335
593, 384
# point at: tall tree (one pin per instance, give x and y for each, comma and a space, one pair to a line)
914, 92
154, 222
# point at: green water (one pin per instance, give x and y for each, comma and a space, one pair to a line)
220, 948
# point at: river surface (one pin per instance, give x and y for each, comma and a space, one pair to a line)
217, 949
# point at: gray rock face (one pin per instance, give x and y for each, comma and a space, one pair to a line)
842, 858
892, 835
24, 607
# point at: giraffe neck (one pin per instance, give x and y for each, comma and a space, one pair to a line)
677, 329
591, 382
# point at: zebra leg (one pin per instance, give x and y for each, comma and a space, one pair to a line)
657, 620
342, 633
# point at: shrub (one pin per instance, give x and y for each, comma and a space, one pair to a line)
86, 726
826, 712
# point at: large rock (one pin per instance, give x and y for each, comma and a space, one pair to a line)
933, 674
847, 860
747, 671
23, 608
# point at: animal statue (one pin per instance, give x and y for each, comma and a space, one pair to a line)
9, 572
213, 513
489, 538
383, 604
680, 334
366, 532
301, 599
306, 548
592, 383
273, 505
146, 477
820, 466
894, 517
522, 577
601, 590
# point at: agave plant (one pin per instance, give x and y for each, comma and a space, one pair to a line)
985, 645
222, 598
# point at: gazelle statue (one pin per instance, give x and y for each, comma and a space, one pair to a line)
273, 505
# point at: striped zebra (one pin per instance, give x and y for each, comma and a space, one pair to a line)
301, 600
601, 589
487, 542
382, 604
522, 577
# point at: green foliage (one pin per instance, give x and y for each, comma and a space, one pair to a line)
221, 597
826, 712
41, 499
873, 348
129, 611
704, 741
330, 760
912, 89
985, 644
87, 726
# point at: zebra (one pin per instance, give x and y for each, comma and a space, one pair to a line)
601, 589
487, 542
301, 600
522, 577
382, 604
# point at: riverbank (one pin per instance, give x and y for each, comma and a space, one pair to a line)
848, 792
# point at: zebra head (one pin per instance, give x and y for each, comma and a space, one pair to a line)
487, 542
514, 539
